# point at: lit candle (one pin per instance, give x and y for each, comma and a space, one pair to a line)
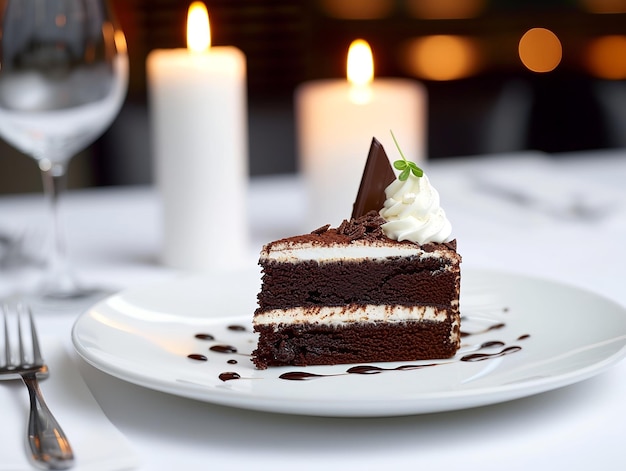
336, 120
197, 101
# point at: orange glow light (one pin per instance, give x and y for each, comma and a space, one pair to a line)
606, 57
604, 6
445, 9
540, 50
198, 28
360, 70
358, 9
442, 57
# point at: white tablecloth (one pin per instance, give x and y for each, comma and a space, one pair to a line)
562, 219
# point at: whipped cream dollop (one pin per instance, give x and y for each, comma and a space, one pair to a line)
413, 212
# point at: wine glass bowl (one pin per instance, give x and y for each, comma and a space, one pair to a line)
63, 79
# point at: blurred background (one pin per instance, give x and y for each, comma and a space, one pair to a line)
501, 75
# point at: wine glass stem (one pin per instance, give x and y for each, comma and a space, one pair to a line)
57, 279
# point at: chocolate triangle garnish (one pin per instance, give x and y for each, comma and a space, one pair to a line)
377, 176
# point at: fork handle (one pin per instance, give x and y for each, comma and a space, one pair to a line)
48, 444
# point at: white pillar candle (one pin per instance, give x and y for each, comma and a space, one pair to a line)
336, 120
198, 113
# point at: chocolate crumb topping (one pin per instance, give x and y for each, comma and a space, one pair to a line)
367, 226
321, 230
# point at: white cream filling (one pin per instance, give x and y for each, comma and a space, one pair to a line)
455, 331
357, 251
350, 314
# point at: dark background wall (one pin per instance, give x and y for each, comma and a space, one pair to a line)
499, 106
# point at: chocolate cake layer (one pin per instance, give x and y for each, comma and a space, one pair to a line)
397, 280
352, 295
303, 345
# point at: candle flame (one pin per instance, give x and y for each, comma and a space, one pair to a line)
360, 71
360, 63
198, 28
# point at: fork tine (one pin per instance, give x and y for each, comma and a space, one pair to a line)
24, 351
20, 339
37, 357
7, 346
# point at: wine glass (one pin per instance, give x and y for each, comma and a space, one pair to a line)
63, 78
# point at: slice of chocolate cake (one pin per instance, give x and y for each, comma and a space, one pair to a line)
365, 291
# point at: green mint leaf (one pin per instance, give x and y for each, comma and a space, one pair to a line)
400, 164
405, 174
418, 172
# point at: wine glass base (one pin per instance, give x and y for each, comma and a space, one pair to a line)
78, 298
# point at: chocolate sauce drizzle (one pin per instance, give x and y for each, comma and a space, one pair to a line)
197, 356
204, 337
229, 375
357, 370
485, 330
368, 369
489, 356
237, 328
223, 349
219, 348
476, 356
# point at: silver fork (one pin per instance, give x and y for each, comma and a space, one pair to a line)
48, 445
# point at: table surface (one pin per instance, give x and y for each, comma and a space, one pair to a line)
532, 225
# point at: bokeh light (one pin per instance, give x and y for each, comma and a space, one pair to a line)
605, 57
442, 57
540, 50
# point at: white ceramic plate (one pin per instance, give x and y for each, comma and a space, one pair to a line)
548, 335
